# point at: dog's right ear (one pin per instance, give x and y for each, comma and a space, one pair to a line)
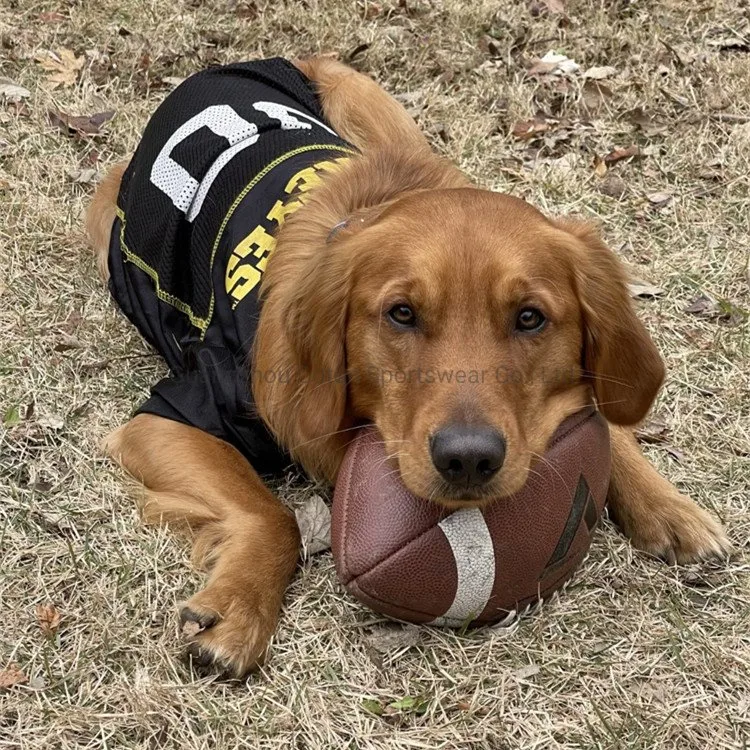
299, 374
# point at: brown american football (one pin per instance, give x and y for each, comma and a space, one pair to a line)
412, 559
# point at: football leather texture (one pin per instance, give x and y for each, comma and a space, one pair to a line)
413, 560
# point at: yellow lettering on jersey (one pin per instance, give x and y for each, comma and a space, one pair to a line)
308, 178
241, 280
281, 210
304, 180
248, 260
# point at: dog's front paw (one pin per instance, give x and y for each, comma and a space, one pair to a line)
227, 631
677, 531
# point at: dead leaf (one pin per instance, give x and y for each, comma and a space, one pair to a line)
11, 676
63, 66
525, 672
562, 65
19, 108
67, 342
600, 166
51, 422
728, 40
715, 98
527, 129
84, 176
555, 7
600, 72
595, 94
314, 521
722, 310
701, 305
555, 136
712, 172
652, 432
11, 91
613, 186
216, 37
680, 57
659, 198
370, 9
619, 154
490, 46
541, 68
49, 619
52, 16
387, 639
358, 50
676, 454
564, 166
85, 125
647, 122
640, 289
374, 656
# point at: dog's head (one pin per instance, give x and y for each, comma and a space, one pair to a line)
466, 326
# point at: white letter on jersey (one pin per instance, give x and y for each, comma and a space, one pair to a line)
285, 115
186, 192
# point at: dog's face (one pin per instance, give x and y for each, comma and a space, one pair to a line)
464, 341
469, 327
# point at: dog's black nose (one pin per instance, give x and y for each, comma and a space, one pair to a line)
467, 455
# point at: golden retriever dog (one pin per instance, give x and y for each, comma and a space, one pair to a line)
396, 263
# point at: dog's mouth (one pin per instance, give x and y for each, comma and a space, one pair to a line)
454, 496
466, 495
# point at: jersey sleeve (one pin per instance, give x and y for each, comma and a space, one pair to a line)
208, 395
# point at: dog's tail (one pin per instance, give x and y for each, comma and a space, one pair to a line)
101, 215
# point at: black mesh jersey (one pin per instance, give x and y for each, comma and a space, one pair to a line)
225, 158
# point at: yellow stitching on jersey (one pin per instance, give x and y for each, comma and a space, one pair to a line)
202, 323
183, 307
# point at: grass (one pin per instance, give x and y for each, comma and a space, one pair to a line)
634, 654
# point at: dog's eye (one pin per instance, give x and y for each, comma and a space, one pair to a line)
530, 320
403, 315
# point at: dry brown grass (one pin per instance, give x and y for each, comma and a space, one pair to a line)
635, 654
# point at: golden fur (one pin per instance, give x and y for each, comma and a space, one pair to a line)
467, 259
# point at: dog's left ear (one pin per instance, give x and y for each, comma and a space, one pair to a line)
619, 356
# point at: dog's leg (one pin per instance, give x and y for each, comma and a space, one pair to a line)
360, 110
241, 533
653, 513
